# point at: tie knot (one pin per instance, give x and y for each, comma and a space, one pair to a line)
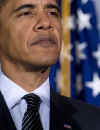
33, 101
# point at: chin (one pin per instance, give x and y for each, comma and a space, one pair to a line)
42, 64
49, 61
46, 64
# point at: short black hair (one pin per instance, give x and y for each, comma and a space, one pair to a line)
2, 3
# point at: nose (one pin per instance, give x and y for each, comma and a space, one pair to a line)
43, 23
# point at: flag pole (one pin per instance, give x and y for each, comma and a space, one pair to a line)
65, 53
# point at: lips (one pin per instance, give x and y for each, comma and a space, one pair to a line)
44, 40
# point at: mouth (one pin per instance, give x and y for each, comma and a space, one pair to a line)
44, 41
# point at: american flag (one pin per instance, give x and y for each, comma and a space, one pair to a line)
84, 56
85, 66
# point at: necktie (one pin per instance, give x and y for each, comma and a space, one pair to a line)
31, 120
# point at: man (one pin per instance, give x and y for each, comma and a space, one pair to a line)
30, 42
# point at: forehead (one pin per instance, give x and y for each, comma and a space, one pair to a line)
11, 4
33, 1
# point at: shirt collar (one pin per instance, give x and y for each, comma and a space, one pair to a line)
13, 93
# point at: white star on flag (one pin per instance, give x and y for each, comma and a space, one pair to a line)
83, 20
70, 1
68, 23
58, 79
80, 50
94, 85
71, 22
84, 1
79, 83
97, 55
65, 23
65, 52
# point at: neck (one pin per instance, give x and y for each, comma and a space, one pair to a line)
28, 79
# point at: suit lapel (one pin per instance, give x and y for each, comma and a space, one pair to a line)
61, 113
59, 118
6, 122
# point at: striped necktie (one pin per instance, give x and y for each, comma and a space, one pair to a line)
31, 120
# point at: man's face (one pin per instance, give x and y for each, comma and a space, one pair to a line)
30, 32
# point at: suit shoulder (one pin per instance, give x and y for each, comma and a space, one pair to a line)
79, 106
87, 116
78, 113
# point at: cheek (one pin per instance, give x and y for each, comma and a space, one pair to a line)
18, 37
23, 33
4, 40
13, 39
14, 43
57, 26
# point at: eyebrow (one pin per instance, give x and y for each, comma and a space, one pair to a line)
33, 6
52, 6
24, 6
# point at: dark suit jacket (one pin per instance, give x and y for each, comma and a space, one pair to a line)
65, 114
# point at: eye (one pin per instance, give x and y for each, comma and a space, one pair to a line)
26, 13
54, 13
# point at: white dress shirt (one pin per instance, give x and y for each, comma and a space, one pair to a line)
13, 93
